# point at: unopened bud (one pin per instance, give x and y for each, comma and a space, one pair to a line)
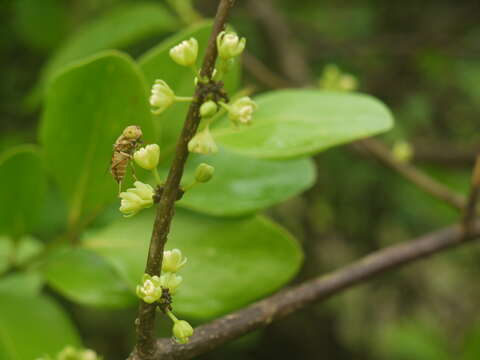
204, 173
203, 143
182, 331
402, 151
208, 109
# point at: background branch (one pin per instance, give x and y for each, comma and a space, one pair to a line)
470, 209
146, 314
262, 313
411, 173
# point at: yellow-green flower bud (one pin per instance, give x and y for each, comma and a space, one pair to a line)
203, 143
204, 173
241, 111
229, 45
402, 151
162, 97
170, 281
185, 53
150, 290
70, 353
136, 199
148, 156
173, 260
182, 331
208, 109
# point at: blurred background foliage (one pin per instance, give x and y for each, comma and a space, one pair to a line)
422, 59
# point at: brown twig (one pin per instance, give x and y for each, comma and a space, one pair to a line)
145, 349
411, 173
286, 48
470, 209
262, 73
262, 313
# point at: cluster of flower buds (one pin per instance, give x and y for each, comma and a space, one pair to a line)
229, 46
70, 353
152, 288
334, 79
141, 195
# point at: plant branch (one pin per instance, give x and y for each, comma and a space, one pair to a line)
145, 321
411, 173
262, 313
285, 48
470, 209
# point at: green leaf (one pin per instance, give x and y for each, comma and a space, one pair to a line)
32, 326
23, 283
292, 123
157, 64
86, 278
230, 262
87, 107
118, 29
242, 185
23, 190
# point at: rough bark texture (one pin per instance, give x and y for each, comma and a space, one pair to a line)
145, 322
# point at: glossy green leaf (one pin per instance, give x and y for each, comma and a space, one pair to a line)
32, 326
230, 262
242, 185
86, 278
157, 64
87, 107
21, 283
118, 29
291, 123
23, 190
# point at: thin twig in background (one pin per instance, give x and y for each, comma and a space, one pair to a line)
145, 322
470, 209
411, 173
275, 24
262, 313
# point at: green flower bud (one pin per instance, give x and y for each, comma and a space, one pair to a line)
136, 199
170, 281
70, 353
150, 290
162, 97
229, 45
185, 53
402, 151
173, 261
182, 330
204, 173
203, 143
208, 109
241, 111
148, 156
